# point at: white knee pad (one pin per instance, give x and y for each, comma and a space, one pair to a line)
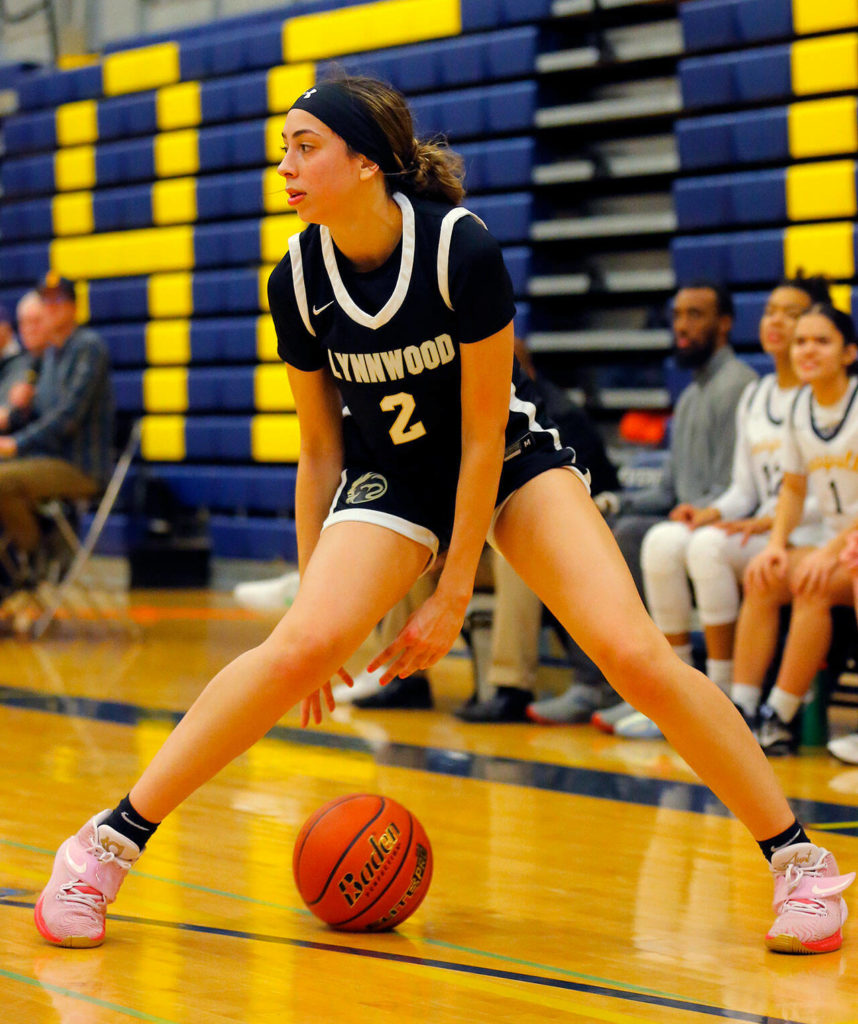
663, 561
716, 561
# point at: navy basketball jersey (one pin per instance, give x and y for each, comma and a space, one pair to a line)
391, 337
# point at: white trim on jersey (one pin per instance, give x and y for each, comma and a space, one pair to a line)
391, 307
528, 409
298, 281
404, 527
447, 224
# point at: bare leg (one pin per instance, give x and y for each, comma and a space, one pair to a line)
720, 640
357, 573
810, 634
757, 634
556, 539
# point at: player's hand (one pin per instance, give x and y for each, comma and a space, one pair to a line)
683, 513
424, 639
767, 568
312, 705
746, 527
813, 572
849, 554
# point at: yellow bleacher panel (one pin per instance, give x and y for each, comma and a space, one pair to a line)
274, 192
274, 437
828, 64
822, 127
136, 70
177, 153
77, 123
72, 214
165, 389
178, 106
274, 235
820, 249
266, 340
74, 168
264, 274
174, 201
286, 82
841, 297
368, 27
71, 61
171, 295
162, 438
124, 253
81, 292
813, 16
271, 390
168, 342
818, 191
274, 140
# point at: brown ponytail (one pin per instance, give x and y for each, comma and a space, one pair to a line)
428, 168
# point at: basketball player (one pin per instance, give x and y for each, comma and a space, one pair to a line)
818, 453
395, 304
714, 557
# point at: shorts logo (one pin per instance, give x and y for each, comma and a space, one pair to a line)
368, 487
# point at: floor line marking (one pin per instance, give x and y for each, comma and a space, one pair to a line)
626, 993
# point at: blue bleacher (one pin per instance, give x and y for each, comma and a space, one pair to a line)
736, 78
747, 137
730, 199
722, 24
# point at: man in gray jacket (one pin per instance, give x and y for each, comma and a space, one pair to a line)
63, 449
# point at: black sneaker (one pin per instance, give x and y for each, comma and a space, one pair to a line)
412, 693
752, 721
509, 704
775, 736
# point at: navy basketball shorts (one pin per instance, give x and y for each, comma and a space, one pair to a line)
422, 506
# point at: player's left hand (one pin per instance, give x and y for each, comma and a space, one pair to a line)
813, 572
746, 527
312, 705
424, 639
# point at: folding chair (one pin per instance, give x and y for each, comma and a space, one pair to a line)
58, 595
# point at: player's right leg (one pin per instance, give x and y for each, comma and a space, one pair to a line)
357, 572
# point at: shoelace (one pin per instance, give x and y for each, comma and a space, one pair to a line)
80, 892
793, 876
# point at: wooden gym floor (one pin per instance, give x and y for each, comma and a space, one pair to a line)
578, 878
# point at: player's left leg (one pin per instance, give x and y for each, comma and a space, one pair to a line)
553, 535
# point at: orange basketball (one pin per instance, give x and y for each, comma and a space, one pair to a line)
362, 863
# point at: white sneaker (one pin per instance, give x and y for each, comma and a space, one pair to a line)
845, 748
268, 595
637, 726
365, 685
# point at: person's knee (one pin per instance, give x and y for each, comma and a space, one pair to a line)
663, 551
291, 653
633, 659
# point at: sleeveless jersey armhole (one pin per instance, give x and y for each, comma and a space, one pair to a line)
298, 281
447, 224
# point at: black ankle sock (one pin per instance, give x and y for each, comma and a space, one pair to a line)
130, 824
794, 834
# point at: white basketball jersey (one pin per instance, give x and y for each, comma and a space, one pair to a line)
822, 444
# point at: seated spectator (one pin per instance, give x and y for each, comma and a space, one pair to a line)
845, 748
10, 352
19, 373
700, 456
715, 556
819, 453
64, 451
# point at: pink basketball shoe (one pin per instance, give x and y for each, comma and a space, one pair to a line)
810, 910
88, 870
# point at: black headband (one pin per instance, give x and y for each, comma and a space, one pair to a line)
347, 116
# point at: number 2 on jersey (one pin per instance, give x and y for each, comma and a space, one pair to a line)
402, 431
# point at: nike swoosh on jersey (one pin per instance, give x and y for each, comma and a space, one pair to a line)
322, 309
